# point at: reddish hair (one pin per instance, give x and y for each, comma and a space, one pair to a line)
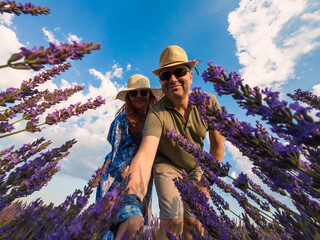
136, 121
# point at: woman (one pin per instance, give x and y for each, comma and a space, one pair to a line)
125, 135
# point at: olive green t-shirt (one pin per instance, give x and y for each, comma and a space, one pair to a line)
163, 117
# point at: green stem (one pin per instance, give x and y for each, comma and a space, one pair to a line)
307, 172
3, 66
13, 133
11, 65
9, 134
280, 206
18, 120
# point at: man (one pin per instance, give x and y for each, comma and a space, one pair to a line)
168, 159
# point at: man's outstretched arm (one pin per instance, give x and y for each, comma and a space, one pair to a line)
141, 166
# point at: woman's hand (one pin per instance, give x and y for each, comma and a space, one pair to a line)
124, 173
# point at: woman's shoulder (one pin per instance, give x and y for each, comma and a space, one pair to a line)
119, 121
121, 117
119, 126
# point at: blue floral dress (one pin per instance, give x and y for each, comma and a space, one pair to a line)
124, 147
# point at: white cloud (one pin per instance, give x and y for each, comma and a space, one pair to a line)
118, 71
314, 16
49, 36
6, 19
316, 89
271, 35
242, 163
10, 44
129, 67
234, 174
73, 37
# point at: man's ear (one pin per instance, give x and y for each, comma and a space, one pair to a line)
191, 76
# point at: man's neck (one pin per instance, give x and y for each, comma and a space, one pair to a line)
182, 105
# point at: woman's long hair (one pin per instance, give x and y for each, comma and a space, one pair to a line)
136, 121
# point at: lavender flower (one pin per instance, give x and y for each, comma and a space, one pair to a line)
26, 8
276, 112
10, 213
9, 158
36, 58
52, 118
70, 219
306, 97
30, 107
197, 200
74, 110
32, 175
171, 236
28, 87
249, 141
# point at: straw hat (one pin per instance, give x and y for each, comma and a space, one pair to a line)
172, 56
138, 81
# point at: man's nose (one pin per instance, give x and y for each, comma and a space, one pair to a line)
173, 78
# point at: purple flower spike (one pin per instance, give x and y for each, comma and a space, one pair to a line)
74, 110
36, 58
26, 8
306, 97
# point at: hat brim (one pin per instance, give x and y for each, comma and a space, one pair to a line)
157, 92
191, 64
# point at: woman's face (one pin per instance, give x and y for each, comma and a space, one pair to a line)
139, 98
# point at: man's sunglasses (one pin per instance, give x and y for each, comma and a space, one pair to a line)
134, 93
179, 72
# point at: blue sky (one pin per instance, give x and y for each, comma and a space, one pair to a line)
272, 43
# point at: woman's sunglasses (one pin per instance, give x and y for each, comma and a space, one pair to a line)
179, 72
134, 93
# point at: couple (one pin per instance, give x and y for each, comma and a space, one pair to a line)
140, 146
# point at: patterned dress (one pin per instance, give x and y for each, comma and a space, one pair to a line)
124, 147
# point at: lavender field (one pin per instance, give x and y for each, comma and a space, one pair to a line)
283, 146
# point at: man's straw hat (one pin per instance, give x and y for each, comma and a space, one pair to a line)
172, 56
138, 81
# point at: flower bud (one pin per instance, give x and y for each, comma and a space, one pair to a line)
15, 57
21, 66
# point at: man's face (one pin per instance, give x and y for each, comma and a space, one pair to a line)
174, 85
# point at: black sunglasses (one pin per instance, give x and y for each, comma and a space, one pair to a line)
134, 93
179, 72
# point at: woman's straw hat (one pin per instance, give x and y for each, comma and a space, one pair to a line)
172, 56
138, 81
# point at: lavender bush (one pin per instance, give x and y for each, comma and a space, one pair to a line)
28, 168
286, 158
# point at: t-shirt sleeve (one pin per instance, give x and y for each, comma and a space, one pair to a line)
213, 101
153, 125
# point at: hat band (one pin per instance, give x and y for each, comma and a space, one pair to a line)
171, 63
